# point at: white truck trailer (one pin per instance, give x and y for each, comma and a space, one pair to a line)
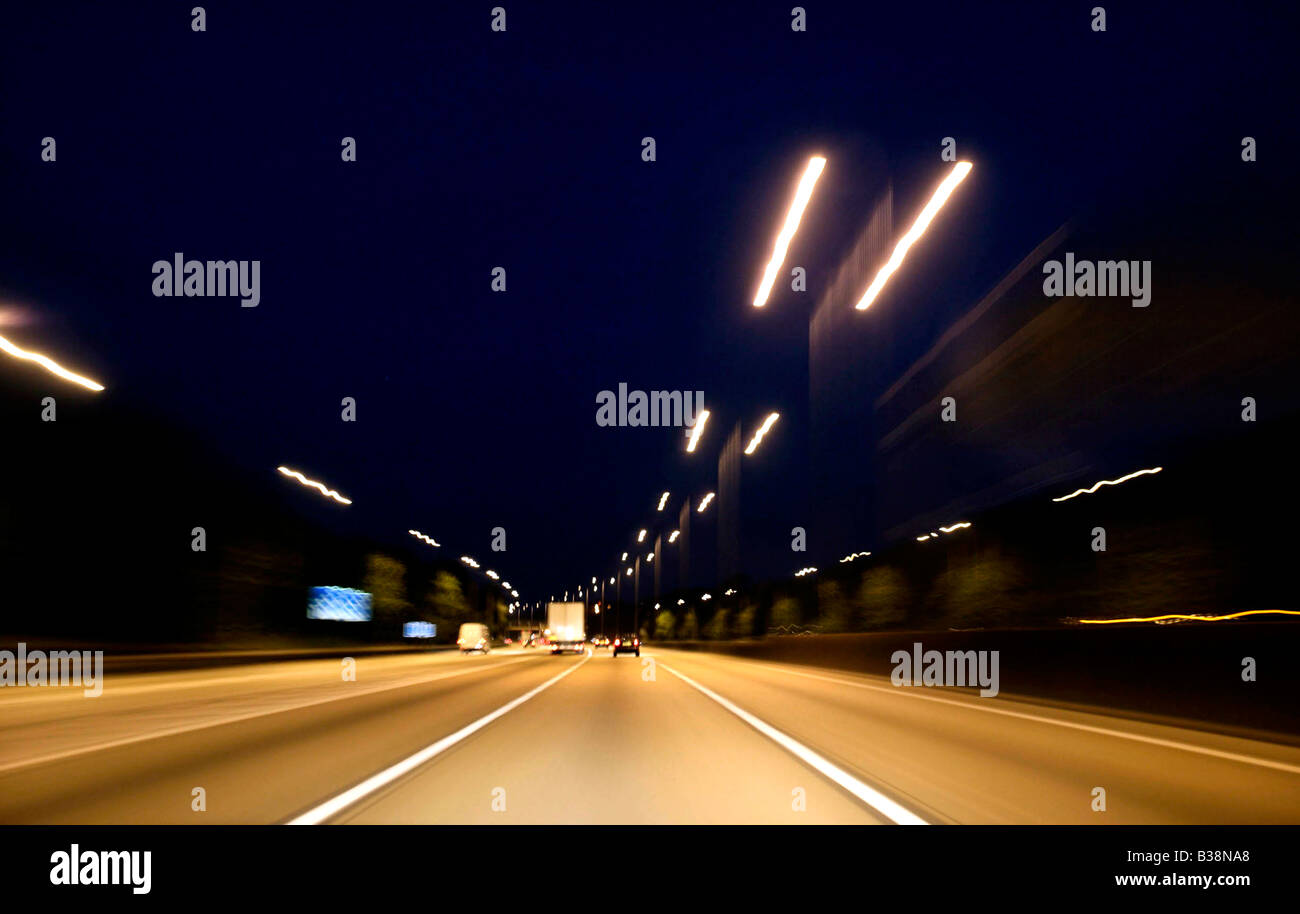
566, 627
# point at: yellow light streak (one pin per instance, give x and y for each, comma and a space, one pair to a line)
939, 198
1108, 482
801, 197
1195, 618
705, 503
762, 430
49, 365
697, 430
328, 493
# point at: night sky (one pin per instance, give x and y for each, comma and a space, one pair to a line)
523, 150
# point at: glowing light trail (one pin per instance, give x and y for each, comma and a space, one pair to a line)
1108, 482
940, 197
328, 493
801, 198
49, 365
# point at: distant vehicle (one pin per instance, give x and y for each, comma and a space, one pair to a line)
566, 626
600, 641
474, 636
627, 644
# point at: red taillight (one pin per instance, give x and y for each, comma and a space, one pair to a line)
636, 643
616, 642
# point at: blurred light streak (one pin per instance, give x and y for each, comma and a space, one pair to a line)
941, 194
1108, 482
801, 197
663, 500
49, 365
640, 537
1195, 618
961, 526
428, 539
854, 555
672, 537
328, 493
705, 503
803, 571
697, 430
763, 430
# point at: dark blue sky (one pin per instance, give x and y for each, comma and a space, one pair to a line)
522, 150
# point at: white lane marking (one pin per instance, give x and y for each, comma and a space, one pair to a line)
187, 679
319, 814
1087, 728
236, 718
882, 804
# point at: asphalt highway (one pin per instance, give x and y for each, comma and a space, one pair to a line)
517, 737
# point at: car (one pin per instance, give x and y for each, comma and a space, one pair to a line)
627, 644
474, 636
599, 641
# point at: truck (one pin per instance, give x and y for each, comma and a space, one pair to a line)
566, 627
474, 636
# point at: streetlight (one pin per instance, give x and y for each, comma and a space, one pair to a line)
49, 365
704, 503
939, 198
763, 430
801, 197
311, 483
697, 430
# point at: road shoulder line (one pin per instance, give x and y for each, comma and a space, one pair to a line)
890, 809
335, 805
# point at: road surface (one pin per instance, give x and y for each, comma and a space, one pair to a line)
515, 737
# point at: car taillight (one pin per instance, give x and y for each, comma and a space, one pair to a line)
616, 642
636, 643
